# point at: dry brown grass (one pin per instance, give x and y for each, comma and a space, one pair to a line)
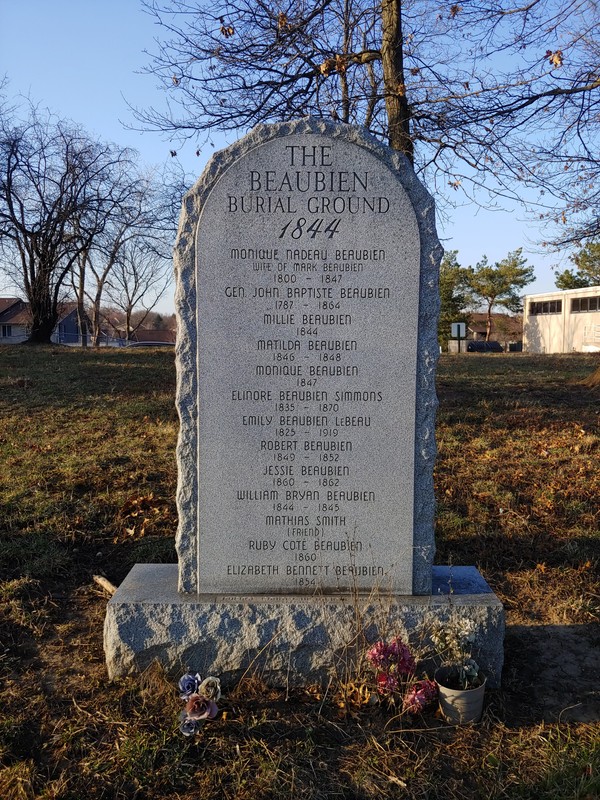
87, 447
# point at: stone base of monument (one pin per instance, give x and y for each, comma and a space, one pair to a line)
286, 640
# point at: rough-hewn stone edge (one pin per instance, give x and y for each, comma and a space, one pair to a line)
286, 640
428, 350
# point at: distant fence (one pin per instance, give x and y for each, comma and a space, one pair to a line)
75, 340
591, 334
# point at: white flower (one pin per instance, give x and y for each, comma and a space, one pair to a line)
210, 688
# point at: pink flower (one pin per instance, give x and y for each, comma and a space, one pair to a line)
405, 662
377, 655
386, 683
198, 707
394, 657
419, 696
392, 662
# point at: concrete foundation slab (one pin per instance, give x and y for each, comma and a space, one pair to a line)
287, 640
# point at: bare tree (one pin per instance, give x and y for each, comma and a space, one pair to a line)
485, 94
138, 280
146, 215
57, 191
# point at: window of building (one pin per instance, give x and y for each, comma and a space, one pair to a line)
545, 307
582, 304
6, 331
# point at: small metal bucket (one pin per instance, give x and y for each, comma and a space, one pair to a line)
459, 706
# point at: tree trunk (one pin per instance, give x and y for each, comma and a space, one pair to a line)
96, 319
97, 314
343, 77
44, 313
82, 324
80, 295
128, 328
41, 331
488, 324
593, 380
392, 62
81, 315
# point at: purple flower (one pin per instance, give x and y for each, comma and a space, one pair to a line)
198, 707
419, 696
188, 726
188, 685
404, 659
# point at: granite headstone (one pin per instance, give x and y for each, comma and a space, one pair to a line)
307, 301
307, 263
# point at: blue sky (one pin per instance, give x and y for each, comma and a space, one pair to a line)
83, 58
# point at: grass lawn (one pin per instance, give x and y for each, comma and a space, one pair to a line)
87, 486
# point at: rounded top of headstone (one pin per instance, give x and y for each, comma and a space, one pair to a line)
302, 282
360, 136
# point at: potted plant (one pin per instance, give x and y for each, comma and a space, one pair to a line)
460, 682
461, 688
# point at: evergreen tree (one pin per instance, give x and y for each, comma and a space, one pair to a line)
453, 295
587, 261
499, 284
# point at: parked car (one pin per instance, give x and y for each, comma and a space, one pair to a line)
484, 347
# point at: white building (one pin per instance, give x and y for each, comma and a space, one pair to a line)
562, 322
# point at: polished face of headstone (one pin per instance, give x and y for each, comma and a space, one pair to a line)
308, 269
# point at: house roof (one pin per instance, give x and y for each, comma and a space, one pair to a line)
11, 309
18, 316
151, 335
502, 324
17, 312
7, 302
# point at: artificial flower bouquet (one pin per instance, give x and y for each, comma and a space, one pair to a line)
201, 697
395, 677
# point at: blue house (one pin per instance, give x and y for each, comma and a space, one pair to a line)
15, 322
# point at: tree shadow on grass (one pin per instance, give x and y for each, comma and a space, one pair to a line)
66, 378
551, 674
